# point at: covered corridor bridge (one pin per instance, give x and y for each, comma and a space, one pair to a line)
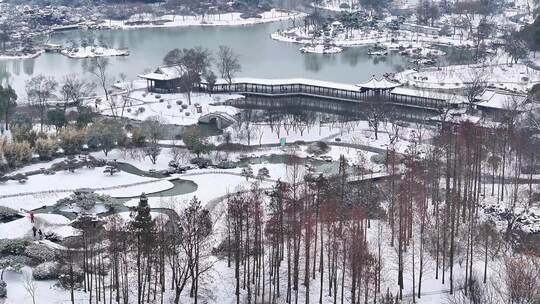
376, 89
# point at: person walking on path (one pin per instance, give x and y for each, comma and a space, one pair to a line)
31, 217
34, 230
40, 234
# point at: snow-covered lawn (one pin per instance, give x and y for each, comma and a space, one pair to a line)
228, 19
134, 190
142, 163
170, 108
38, 166
210, 186
516, 77
32, 201
65, 181
264, 133
46, 291
22, 228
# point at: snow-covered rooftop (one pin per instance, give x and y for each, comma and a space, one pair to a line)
165, 73
376, 84
499, 99
450, 98
291, 81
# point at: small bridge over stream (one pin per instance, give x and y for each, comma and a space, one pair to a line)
220, 119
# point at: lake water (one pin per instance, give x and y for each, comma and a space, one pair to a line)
260, 56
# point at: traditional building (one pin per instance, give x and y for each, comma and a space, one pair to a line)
377, 87
165, 79
497, 103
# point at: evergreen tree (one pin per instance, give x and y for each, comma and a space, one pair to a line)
143, 227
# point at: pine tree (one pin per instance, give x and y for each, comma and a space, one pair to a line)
143, 223
143, 227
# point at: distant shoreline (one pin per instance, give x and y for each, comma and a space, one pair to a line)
228, 19
170, 21
25, 56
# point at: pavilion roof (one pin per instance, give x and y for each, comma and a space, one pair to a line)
376, 84
166, 73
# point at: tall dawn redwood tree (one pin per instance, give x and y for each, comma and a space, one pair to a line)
196, 227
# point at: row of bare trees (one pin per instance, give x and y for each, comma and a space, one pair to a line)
120, 261
310, 234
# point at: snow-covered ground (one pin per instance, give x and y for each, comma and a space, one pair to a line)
263, 133
66, 181
32, 201
208, 189
515, 77
364, 37
22, 228
228, 19
44, 190
46, 291
321, 49
337, 5
172, 108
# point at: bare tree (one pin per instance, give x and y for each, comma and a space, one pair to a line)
74, 90
39, 90
375, 115
476, 85
98, 67
153, 131
522, 279
29, 285
515, 46
178, 155
228, 63
196, 62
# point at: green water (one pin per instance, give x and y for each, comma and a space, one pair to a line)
181, 186
260, 56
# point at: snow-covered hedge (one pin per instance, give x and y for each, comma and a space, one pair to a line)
46, 271
379, 159
318, 148
12, 247
40, 253
64, 276
3, 289
84, 200
15, 261
7, 214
